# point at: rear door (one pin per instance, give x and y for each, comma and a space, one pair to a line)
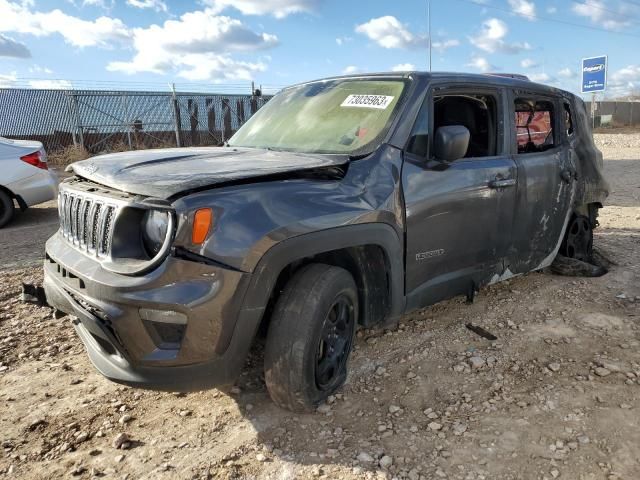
458, 214
546, 179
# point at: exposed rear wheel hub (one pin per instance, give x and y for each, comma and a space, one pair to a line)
578, 243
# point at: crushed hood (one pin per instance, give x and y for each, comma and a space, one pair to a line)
165, 173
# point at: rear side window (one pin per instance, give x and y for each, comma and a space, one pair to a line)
534, 126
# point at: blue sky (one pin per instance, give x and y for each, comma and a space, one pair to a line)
279, 42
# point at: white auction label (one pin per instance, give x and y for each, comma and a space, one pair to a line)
380, 102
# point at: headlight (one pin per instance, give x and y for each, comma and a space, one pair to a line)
154, 231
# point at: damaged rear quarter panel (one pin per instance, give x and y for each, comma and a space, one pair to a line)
592, 185
250, 219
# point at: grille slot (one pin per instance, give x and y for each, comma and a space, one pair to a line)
87, 222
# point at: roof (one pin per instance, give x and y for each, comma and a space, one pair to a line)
504, 80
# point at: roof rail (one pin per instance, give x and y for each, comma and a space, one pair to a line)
515, 76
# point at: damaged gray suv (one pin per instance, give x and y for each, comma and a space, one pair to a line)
343, 202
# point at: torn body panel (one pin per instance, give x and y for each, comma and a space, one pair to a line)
252, 218
592, 187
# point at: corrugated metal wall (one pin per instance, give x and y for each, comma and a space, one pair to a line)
618, 114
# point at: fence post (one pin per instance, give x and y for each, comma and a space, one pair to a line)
240, 112
211, 118
226, 124
74, 134
125, 105
76, 116
193, 120
176, 114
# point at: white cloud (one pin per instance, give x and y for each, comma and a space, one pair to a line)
212, 67
103, 31
350, 70
12, 48
541, 78
342, 40
529, 63
491, 38
552, 10
567, 73
523, 8
606, 15
37, 69
51, 84
8, 79
482, 64
443, 45
389, 32
197, 46
277, 8
404, 67
157, 5
626, 80
90, 3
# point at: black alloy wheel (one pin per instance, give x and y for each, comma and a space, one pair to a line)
335, 343
310, 337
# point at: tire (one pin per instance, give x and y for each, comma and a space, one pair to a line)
578, 240
310, 337
6, 208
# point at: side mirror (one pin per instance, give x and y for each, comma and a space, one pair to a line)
451, 143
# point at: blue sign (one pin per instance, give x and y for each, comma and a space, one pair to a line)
594, 74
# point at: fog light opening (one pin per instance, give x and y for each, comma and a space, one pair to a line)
166, 328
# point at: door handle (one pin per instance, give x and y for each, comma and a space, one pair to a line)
502, 183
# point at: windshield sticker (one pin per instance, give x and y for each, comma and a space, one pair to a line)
381, 102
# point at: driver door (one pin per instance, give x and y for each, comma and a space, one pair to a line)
459, 214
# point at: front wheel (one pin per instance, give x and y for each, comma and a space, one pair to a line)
310, 337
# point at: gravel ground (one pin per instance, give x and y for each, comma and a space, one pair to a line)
556, 396
618, 140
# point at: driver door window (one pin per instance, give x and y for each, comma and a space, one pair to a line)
476, 112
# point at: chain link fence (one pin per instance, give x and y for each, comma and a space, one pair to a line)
101, 121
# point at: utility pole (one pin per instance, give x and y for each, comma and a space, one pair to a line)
430, 40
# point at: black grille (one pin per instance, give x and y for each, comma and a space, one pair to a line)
87, 222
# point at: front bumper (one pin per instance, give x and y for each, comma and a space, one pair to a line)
207, 345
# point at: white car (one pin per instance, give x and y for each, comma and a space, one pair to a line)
25, 178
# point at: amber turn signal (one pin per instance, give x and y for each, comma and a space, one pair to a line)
201, 225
